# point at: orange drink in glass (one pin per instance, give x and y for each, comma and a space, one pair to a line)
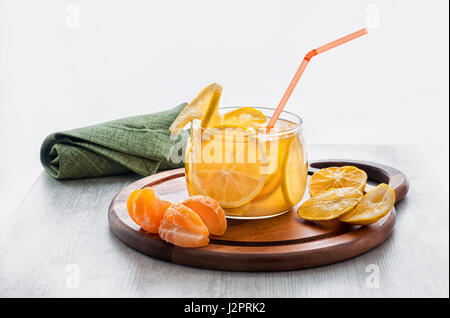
251, 172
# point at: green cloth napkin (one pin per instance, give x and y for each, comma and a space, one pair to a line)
141, 144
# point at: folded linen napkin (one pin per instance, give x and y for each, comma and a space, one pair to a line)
141, 144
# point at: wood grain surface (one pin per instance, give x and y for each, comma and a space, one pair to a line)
58, 244
279, 243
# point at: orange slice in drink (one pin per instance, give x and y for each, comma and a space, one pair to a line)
375, 204
330, 205
245, 116
203, 107
231, 172
295, 172
337, 177
209, 211
183, 227
235, 128
276, 154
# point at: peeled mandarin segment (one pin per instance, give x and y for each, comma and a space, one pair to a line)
143, 203
183, 227
164, 205
337, 177
295, 173
204, 107
375, 205
209, 211
130, 202
146, 209
246, 116
330, 205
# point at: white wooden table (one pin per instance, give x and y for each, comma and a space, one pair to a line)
58, 244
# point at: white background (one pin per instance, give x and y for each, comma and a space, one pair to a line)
66, 64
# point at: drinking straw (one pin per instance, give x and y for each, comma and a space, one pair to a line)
302, 67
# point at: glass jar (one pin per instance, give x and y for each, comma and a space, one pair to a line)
251, 172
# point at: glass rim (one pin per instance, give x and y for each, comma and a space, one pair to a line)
298, 122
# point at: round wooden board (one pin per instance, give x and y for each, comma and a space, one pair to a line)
274, 244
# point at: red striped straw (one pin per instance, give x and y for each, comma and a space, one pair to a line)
302, 67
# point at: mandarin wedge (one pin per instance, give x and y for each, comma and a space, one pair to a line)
183, 227
146, 209
330, 205
375, 204
337, 177
130, 202
209, 211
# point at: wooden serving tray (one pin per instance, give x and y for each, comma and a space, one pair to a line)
281, 243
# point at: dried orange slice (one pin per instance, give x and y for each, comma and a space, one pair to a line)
183, 227
209, 211
330, 205
204, 107
375, 204
337, 177
146, 209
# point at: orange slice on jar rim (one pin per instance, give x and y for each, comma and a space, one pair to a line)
204, 107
